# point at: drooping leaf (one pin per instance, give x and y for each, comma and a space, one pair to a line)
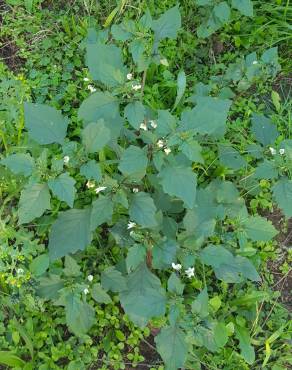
102, 211
39, 265
246, 268
91, 170
100, 295
192, 150
259, 229
220, 334
63, 188
143, 297
136, 255
231, 158
244, 6
49, 286
264, 130
142, 210
45, 124
246, 349
34, 200
172, 347
70, 233
95, 136
172, 177
105, 64
133, 163
166, 123
135, 113
282, 192
112, 279
174, 284
19, 163
8, 358
266, 170
200, 304
181, 87
167, 25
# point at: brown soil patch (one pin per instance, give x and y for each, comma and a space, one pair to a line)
9, 55
283, 85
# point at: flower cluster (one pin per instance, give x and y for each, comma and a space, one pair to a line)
190, 272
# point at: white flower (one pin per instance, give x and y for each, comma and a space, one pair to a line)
282, 151
91, 88
143, 126
176, 266
153, 124
135, 190
85, 291
273, 151
66, 159
160, 143
20, 271
136, 87
167, 151
99, 189
86, 79
129, 76
255, 62
90, 184
90, 278
131, 225
190, 272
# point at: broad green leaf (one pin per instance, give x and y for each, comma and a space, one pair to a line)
259, 229
133, 163
231, 158
79, 315
136, 255
266, 170
100, 295
49, 286
172, 177
246, 349
264, 130
192, 150
142, 210
143, 297
208, 117
137, 48
120, 32
34, 200
76, 365
63, 188
164, 253
19, 163
222, 12
205, 336
39, 265
112, 279
91, 170
8, 358
71, 268
244, 6
200, 304
246, 268
45, 124
166, 123
70, 233
167, 25
135, 113
102, 211
282, 192
95, 136
203, 2
175, 285
105, 64
220, 334
172, 347
181, 87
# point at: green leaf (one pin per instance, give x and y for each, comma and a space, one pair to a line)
135, 113
259, 229
49, 286
71, 269
244, 6
39, 265
164, 253
246, 268
91, 170
282, 192
172, 347
143, 297
192, 150
95, 136
263, 129
167, 25
70, 233
175, 285
8, 358
142, 210
100, 295
172, 177
34, 200
246, 349
208, 117
133, 163
19, 163
166, 123
230, 157
120, 33
220, 334
45, 124
102, 211
200, 304
112, 279
136, 255
79, 315
63, 188
105, 64
222, 12
181, 87
266, 170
